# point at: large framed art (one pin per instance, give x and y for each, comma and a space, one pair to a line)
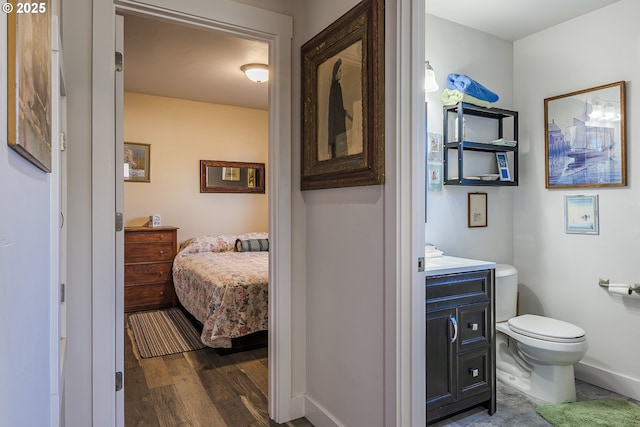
585, 138
29, 81
343, 101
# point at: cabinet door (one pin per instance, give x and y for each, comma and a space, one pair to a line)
441, 360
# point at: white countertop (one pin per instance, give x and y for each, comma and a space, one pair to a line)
449, 265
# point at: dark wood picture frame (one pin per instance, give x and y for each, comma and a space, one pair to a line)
218, 176
477, 210
29, 101
343, 101
585, 143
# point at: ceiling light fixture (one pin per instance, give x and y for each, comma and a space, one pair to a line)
258, 73
430, 84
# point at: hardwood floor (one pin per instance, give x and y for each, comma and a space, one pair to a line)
198, 388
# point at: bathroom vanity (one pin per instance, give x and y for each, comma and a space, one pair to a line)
460, 328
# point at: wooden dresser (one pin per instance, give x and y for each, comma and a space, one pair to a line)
148, 258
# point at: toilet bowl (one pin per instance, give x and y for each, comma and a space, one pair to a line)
534, 354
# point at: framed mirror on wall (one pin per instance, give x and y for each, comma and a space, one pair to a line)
217, 176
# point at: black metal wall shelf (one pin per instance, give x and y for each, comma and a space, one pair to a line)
461, 145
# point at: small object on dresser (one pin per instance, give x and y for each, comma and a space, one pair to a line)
155, 221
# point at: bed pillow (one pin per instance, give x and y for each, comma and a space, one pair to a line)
252, 245
220, 243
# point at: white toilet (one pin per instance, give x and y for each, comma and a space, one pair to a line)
534, 354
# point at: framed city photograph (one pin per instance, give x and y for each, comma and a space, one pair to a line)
477, 210
343, 101
137, 162
581, 214
585, 138
29, 82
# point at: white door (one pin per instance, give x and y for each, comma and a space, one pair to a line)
119, 202
58, 178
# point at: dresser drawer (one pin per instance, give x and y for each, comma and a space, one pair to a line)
147, 252
149, 236
148, 296
158, 272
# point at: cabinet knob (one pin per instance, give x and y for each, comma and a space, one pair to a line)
160, 274
161, 293
474, 372
161, 252
473, 326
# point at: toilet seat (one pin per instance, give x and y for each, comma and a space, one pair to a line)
546, 329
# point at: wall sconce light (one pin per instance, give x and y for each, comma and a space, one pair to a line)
430, 84
258, 73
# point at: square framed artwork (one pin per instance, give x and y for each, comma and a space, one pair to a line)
581, 214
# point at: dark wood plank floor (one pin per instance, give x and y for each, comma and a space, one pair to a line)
198, 388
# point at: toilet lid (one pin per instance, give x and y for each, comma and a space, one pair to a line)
545, 328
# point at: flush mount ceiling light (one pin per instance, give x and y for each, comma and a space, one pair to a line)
430, 84
258, 73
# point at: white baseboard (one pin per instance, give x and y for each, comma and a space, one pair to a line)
613, 381
319, 416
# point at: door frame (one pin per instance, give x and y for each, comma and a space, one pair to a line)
232, 18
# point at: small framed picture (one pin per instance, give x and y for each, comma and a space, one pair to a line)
581, 214
503, 167
477, 210
137, 162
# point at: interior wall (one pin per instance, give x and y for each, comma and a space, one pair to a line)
559, 272
344, 286
181, 133
24, 278
453, 48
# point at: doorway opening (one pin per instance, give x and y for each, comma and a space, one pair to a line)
178, 146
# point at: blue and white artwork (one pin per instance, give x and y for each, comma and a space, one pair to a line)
581, 214
586, 138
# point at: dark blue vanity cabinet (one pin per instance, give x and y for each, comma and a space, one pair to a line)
460, 330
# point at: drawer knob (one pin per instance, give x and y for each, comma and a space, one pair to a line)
474, 372
473, 326
161, 293
161, 273
161, 252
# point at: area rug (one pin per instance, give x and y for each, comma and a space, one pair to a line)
162, 332
609, 412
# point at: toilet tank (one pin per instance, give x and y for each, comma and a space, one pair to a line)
506, 294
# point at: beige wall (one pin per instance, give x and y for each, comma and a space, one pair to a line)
182, 133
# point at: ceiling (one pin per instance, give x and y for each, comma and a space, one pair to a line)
512, 19
179, 61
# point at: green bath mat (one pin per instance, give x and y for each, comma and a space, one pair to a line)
608, 412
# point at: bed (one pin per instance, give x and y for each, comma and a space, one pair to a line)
224, 288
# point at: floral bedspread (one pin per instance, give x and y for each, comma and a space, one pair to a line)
227, 291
